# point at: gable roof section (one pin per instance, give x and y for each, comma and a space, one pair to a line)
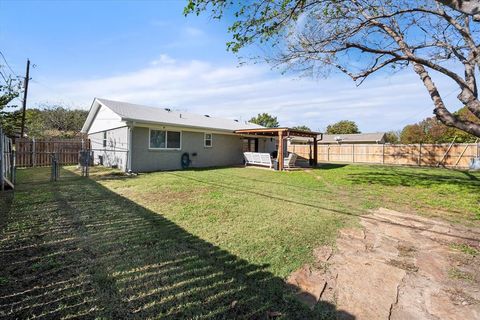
354, 137
145, 114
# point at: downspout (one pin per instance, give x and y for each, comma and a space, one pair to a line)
129, 148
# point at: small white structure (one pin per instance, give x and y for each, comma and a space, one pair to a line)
259, 159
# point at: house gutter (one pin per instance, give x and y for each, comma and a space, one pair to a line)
208, 129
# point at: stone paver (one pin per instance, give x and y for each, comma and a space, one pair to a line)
397, 266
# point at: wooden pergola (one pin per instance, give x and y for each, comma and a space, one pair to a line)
282, 133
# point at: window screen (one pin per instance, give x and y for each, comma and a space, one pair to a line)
161, 139
208, 139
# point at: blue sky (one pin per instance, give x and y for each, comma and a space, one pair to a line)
147, 52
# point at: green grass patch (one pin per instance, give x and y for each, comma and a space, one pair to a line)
213, 243
465, 248
3, 281
456, 273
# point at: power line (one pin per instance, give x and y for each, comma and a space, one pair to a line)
425, 109
8, 65
4, 78
55, 92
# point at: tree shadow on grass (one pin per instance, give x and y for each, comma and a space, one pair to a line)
329, 166
87, 252
6, 198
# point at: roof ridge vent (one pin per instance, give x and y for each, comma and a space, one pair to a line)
168, 109
236, 120
206, 115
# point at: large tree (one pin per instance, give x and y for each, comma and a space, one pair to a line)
10, 121
470, 7
362, 37
54, 121
430, 130
266, 120
392, 137
303, 128
412, 133
343, 127
45, 121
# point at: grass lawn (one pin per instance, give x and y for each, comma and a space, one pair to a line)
200, 244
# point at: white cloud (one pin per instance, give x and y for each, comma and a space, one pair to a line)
383, 103
163, 60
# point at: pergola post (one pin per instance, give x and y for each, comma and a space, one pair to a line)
280, 151
315, 152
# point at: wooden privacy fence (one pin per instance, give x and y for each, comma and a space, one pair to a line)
448, 155
37, 153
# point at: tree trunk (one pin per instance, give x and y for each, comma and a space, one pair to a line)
470, 7
440, 110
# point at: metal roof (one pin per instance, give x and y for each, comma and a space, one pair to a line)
166, 116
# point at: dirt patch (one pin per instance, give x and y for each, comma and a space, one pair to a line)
397, 266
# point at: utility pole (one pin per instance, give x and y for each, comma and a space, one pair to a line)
24, 108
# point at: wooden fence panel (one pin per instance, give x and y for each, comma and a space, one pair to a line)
402, 154
456, 155
31, 153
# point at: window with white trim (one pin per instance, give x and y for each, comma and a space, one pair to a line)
208, 140
104, 139
163, 139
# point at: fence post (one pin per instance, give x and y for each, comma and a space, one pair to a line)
353, 152
328, 153
34, 155
87, 167
383, 153
54, 168
14, 166
2, 182
420, 154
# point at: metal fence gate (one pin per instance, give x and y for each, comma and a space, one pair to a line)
38, 152
48, 156
7, 162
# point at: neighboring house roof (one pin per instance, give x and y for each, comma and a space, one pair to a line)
378, 137
164, 116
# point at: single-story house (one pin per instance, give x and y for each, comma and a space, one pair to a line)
140, 139
357, 138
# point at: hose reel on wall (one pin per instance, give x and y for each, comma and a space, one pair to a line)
185, 160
